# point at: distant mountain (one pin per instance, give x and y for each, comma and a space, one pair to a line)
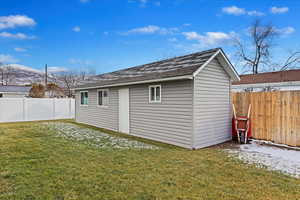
16, 74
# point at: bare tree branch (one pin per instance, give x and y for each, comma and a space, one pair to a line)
262, 37
292, 59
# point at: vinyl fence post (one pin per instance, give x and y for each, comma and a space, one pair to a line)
24, 109
70, 111
54, 108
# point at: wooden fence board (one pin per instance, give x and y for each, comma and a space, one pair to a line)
275, 115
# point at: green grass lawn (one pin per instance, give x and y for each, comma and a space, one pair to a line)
35, 163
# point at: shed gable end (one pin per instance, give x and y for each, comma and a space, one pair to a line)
212, 106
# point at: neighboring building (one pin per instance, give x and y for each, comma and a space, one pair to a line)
269, 81
184, 101
13, 91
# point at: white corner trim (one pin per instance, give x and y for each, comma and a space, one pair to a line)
206, 63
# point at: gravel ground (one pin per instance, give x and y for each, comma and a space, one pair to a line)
95, 137
284, 160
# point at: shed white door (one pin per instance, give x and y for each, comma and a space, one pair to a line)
124, 110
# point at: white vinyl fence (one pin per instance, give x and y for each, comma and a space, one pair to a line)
34, 109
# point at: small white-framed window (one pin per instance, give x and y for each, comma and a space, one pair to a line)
84, 98
155, 93
102, 96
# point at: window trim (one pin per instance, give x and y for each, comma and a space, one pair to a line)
87, 99
154, 86
107, 90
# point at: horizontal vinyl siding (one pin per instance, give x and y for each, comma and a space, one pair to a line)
103, 117
212, 106
169, 121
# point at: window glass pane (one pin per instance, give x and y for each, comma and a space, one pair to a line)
100, 102
104, 93
152, 93
105, 100
157, 93
84, 98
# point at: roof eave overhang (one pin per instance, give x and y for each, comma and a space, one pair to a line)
138, 82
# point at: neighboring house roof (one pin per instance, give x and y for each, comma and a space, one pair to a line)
269, 77
182, 67
14, 89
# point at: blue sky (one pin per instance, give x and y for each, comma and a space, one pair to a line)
106, 35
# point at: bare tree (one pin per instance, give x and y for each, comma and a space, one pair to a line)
292, 61
258, 53
70, 80
7, 74
2, 73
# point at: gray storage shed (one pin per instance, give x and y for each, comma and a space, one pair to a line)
184, 101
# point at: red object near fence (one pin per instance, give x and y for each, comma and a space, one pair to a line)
241, 125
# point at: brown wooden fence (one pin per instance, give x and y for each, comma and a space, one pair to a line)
275, 115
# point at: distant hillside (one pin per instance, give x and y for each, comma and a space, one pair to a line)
15, 74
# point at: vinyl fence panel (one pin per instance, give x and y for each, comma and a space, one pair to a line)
12, 110
33, 109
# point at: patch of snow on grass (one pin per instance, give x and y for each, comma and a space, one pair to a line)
94, 137
273, 158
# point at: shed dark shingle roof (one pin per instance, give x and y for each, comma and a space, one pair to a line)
14, 88
269, 77
178, 66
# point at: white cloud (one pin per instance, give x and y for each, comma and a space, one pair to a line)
6, 58
209, 38
79, 61
286, 31
151, 29
186, 24
76, 29
172, 39
84, 1
13, 21
143, 3
192, 35
279, 10
20, 36
145, 30
157, 3
255, 13
234, 10
56, 69
19, 49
